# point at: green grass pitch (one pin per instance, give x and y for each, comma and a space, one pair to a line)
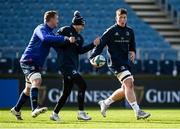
116, 118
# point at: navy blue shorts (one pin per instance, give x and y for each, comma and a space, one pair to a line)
122, 73
29, 68
117, 70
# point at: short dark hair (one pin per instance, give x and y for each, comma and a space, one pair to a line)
121, 11
49, 14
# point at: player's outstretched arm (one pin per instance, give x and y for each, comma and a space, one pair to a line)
103, 41
57, 40
86, 48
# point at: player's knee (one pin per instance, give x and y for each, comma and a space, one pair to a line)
36, 80
36, 83
128, 83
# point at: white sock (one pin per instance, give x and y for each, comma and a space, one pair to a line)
135, 107
108, 101
81, 111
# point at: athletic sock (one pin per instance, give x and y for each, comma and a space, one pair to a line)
108, 101
135, 107
34, 97
22, 99
81, 111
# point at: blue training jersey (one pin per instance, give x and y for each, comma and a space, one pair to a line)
41, 41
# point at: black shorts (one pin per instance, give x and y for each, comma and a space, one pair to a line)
70, 73
29, 68
122, 73
117, 70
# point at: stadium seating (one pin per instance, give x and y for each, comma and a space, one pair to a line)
166, 66
137, 67
5, 65
16, 66
170, 55
151, 66
18, 21
23, 16
175, 4
171, 7
178, 67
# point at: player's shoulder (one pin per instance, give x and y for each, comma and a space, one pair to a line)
65, 28
110, 30
39, 27
129, 28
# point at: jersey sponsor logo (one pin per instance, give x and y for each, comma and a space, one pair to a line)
122, 40
162, 96
91, 96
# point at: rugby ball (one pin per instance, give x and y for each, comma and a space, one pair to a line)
98, 61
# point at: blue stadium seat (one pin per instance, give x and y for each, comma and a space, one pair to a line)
137, 67
151, 66
178, 67
5, 65
154, 55
174, 4
170, 55
16, 66
166, 67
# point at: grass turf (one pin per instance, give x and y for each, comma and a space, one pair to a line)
116, 118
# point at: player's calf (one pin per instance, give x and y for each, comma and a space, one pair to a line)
35, 80
130, 96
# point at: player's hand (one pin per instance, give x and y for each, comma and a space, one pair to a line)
132, 56
93, 62
72, 39
97, 41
